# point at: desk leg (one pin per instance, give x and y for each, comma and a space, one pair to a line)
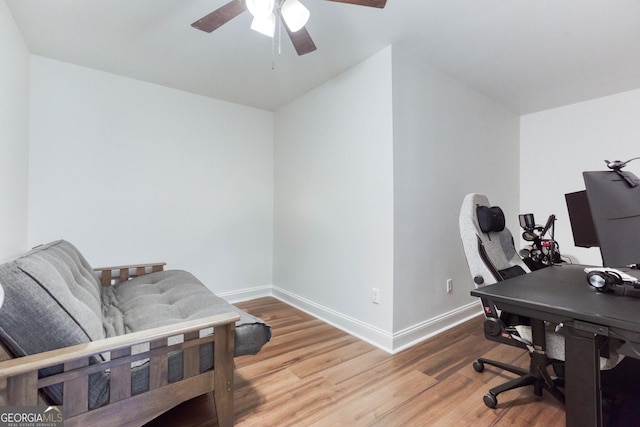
583, 395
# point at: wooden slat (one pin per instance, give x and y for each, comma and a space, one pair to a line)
151, 265
105, 278
124, 275
223, 385
22, 390
191, 357
120, 377
76, 392
124, 272
158, 366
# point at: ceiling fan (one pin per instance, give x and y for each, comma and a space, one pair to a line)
291, 12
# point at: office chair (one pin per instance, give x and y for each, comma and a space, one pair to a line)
491, 256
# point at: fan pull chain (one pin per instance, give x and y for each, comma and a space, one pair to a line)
273, 54
279, 36
273, 43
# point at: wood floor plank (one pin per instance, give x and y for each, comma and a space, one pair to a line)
285, 359
449, 359
371, 403
253, 393
365, 363
310, 334
435, 403
296, 405
339, 355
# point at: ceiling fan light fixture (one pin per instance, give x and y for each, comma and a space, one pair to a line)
294, 14
266, 25
260, 8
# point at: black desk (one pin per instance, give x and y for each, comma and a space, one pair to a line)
561, 294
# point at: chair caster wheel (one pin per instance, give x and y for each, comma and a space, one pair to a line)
490, 400
478, 366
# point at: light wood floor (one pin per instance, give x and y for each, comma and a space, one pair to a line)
314, 374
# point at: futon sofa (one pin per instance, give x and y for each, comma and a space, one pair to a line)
117, 345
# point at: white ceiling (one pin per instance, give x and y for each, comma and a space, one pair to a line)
529, 55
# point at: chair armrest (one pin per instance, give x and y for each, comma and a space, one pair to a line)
112, 275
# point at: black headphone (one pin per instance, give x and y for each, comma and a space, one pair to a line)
610, 281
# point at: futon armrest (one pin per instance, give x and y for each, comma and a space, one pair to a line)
34, 362
112, 275
20, 383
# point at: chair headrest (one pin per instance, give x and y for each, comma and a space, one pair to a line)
490, 218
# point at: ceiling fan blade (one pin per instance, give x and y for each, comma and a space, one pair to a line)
301, 41
371, 3
220, 16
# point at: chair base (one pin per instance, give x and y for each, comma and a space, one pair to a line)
536, 376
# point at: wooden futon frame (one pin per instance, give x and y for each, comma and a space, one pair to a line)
20, 385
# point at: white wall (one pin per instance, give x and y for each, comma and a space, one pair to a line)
449, 140
334, 200
14, 136
558, 145
133, 172
370, 172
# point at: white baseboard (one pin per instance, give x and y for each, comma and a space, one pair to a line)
355, 327
391, 343
247, 294
424, 330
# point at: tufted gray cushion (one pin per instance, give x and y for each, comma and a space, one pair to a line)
169, 297
36, 313
60, 269
172, 296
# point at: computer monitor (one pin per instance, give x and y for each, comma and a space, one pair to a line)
584, 232
615, 209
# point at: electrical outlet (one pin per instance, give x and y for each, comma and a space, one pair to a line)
375, 296
449, 285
